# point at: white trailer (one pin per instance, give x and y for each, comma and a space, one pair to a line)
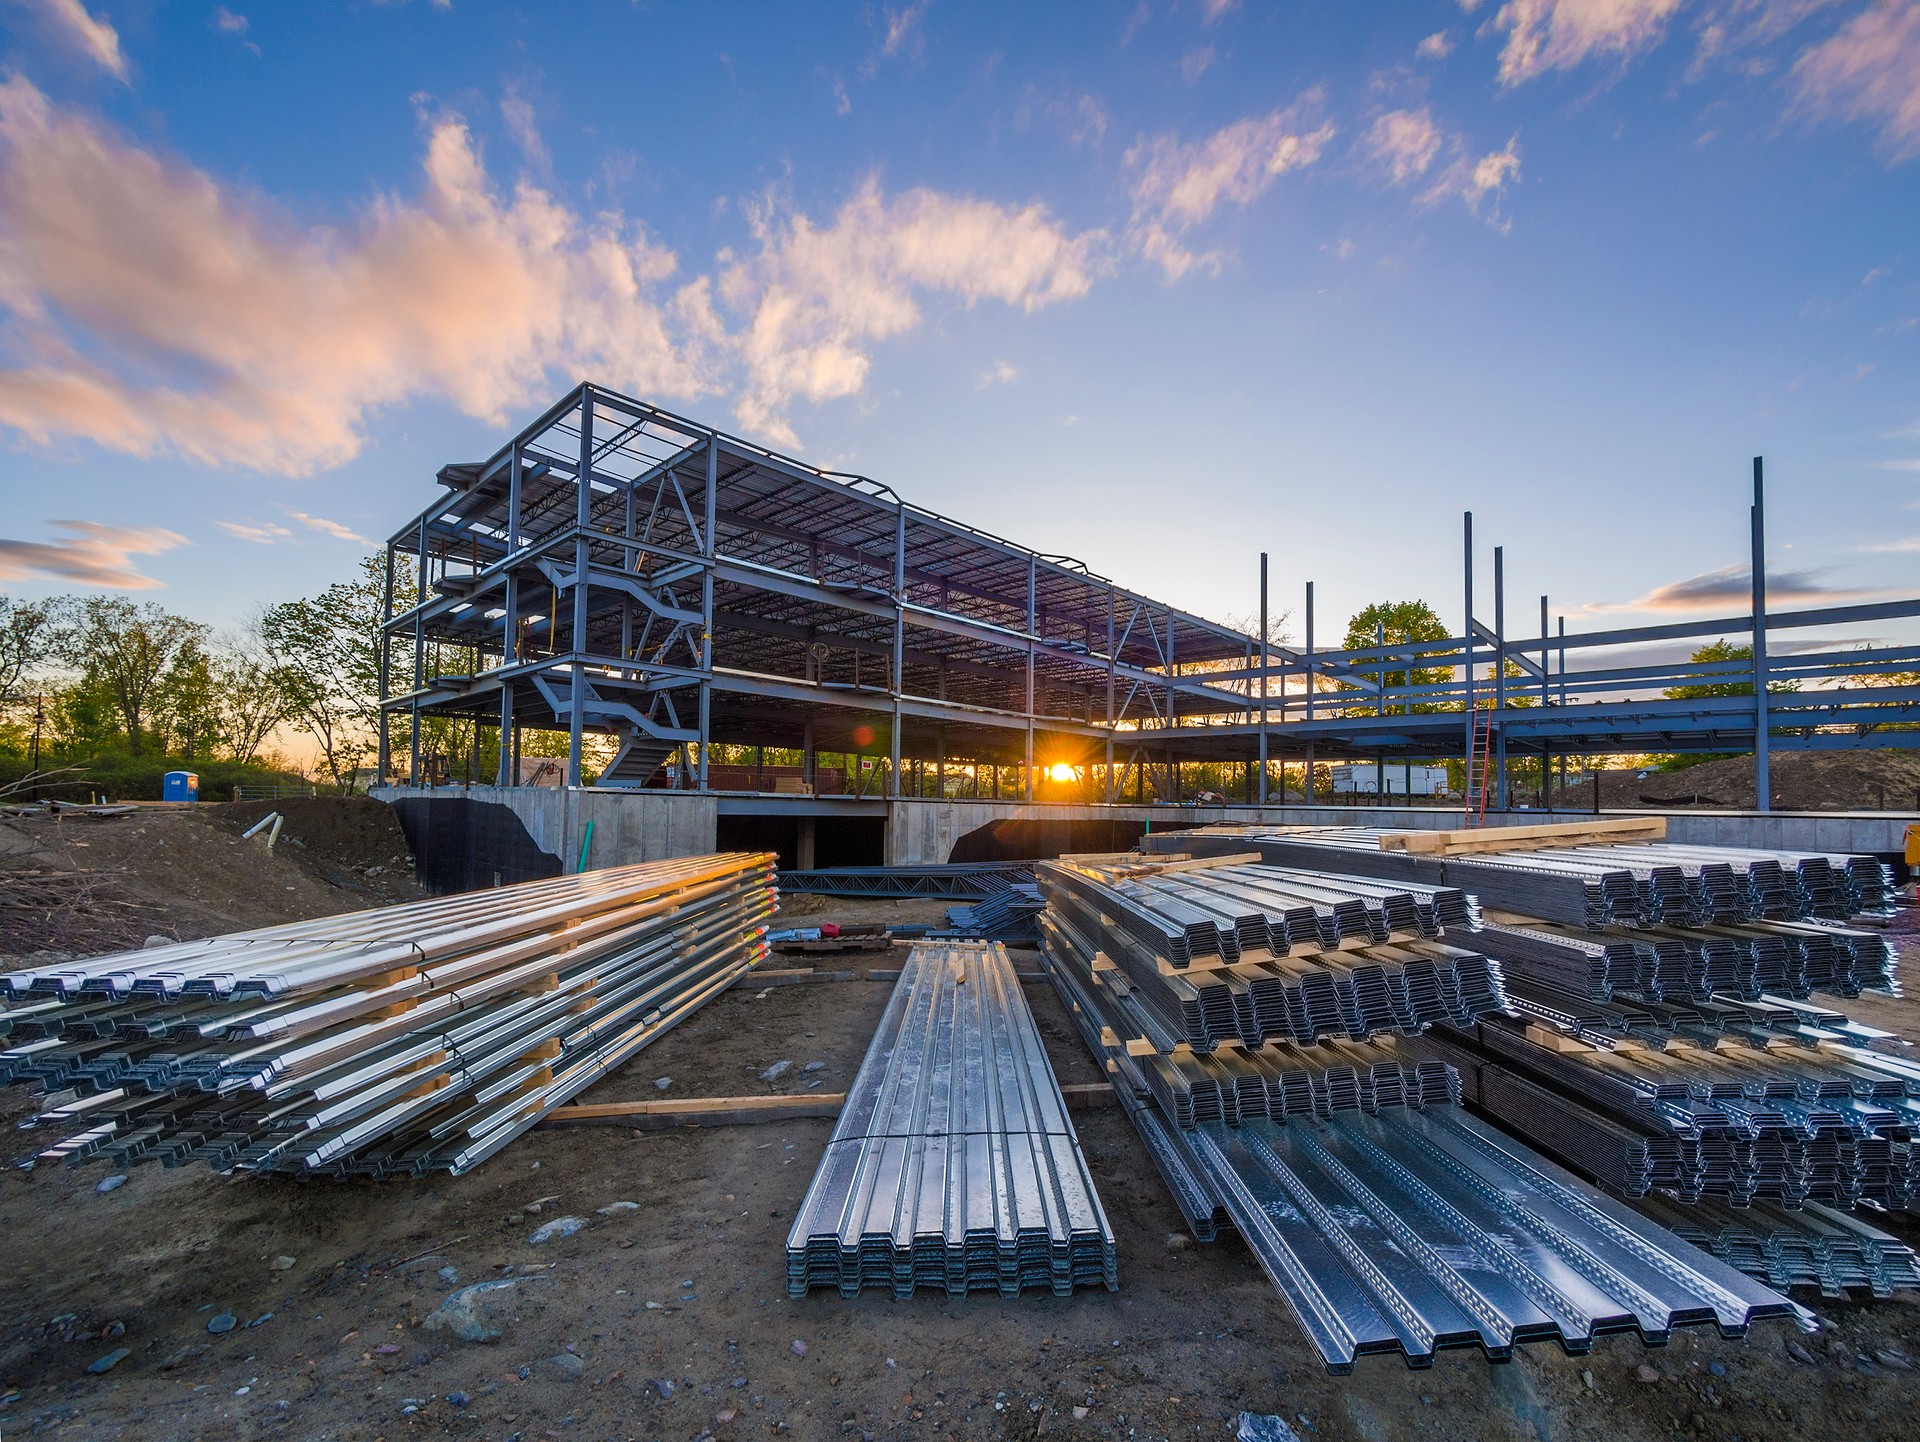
1393, 778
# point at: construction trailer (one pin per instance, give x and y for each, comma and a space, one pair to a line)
618, 569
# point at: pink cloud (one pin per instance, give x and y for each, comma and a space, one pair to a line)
1545, 35
96, 555
1869, 71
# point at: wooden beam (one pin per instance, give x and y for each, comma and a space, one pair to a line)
750, 1111
1526, 838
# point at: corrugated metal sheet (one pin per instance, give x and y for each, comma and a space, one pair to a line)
1390, 1220
953, 1164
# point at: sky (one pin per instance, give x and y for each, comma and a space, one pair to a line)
1159, 286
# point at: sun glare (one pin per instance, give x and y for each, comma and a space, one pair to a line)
1061, 771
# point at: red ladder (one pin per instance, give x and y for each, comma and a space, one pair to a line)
1480, 751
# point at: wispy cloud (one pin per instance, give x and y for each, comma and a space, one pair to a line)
1908, 464
263, 533
1402, 144
93, 37
816, 296
1178, 184
1437, 46
1869, 72
1001, 373
96, 555
226, 22
1196, 63
1906, 545
904, 34
1731, 587
516, 112
1545, 35
327, 528
1215, 10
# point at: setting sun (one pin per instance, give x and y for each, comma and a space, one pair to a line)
1062, 771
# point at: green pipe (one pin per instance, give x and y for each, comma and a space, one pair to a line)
586, 841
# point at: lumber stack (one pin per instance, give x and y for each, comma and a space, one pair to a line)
394, 1041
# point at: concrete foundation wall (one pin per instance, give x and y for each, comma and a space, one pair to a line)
631, 826
628, 826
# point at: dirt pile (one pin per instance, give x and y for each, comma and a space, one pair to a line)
86, 885
1802, 781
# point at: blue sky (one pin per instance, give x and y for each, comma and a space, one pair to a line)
1156, 286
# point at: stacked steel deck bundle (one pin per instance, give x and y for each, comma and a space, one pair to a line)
1389, 1219
1590, 886
1750, 1112
1783, 959
953, 1165
1229, 954
399, 1040
1813, 1246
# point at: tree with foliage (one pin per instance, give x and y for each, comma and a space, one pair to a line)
1398, 623
1723, 651
324, 652
126, 652
250, 692
26, 640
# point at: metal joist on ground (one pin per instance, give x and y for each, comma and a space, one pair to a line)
1391, 1221
953, 1165
400, 1040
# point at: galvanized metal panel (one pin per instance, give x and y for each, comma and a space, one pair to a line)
953, 1164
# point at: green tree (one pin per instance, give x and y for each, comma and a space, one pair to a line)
1398, 623
1723, 651
126, 651
26, 640
250, 694
323, 651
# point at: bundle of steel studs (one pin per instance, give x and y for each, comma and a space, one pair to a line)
394, 1041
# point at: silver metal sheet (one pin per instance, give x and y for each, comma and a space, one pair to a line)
953, 1164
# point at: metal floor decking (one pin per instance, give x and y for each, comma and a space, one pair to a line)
953, 1165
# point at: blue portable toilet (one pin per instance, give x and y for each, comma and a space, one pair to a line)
180, 786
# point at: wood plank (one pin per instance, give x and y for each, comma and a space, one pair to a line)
1526, 838
752, 1111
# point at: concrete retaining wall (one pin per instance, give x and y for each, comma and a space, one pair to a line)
633, 826
628, 826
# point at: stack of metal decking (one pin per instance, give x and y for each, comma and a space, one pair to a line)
953, 1165
1243, 954
1388, 1218
1812, 1246
1582, 885
399, 1040
1789, 1116
1011, 914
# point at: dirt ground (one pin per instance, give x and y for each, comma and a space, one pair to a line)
671, 1321
1802, 781
83, 885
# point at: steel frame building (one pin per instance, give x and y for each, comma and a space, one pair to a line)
616, 568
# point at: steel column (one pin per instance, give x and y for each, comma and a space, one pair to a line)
1762, 759
1263, 678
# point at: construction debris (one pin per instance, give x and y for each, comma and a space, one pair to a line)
953, 1165
400, 1040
